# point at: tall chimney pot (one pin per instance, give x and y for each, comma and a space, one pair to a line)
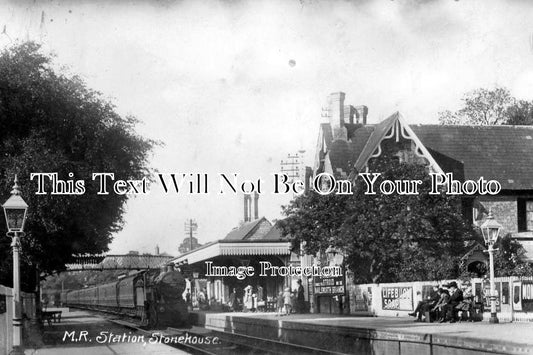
361, 112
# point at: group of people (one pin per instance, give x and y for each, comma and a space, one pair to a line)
252, 299
448, 302
289, 301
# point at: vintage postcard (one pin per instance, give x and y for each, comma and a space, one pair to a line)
266, 177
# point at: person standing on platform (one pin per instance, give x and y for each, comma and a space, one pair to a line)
233, 304
248, 300
300, 298
280, 303
287, 301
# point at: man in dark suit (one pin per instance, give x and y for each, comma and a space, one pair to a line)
456, 296
430, 303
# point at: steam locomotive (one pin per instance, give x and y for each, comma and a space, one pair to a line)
153, 296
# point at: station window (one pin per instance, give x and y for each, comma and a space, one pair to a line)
525, 215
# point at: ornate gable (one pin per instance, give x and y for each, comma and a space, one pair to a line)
395, 135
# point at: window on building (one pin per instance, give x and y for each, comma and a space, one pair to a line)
475, 214
525, 215
529, 215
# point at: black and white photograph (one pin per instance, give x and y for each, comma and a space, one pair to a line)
266, 177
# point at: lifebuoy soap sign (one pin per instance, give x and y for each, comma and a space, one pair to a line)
397, 298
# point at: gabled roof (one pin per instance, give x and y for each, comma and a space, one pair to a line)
342, 154
373, 141
274, 234
393, 126
249, 230
502, 153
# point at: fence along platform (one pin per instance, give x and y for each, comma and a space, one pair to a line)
514, 302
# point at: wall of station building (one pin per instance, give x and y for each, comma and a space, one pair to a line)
514, 301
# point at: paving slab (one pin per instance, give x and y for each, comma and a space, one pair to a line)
81, 333
514, 332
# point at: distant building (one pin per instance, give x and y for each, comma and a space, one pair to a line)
188, 244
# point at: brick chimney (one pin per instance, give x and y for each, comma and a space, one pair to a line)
256, 206
247, 208
349, 113
360, 114
336, 115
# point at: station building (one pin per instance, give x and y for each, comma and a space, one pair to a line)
256, 240
503, 153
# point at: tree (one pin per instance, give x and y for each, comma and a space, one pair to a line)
52, 122
521, 113
385, 238
482, 107
510, 258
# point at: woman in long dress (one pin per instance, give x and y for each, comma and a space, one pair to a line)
287, 300
248, 300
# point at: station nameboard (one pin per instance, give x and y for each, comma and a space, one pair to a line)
397, 298
329, 285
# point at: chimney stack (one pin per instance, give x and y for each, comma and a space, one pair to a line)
256, 206
349, 113
247, 208
360, 114
336, 115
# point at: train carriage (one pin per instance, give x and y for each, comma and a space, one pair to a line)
63, 297
107, 296
88, 296
128, 292
125, 292
161, 292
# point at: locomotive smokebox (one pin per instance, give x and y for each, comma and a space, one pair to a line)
168, 308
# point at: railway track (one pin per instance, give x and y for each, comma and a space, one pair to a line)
204, 341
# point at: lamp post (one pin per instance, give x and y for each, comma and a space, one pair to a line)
334, 256
15, 211
491, 230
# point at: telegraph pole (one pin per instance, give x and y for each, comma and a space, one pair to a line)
190, 229
294, 166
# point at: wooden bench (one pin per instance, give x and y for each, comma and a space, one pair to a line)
431, 316
52, 316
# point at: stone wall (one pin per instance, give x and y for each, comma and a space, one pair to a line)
505, 211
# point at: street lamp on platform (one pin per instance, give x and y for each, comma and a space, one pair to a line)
15, 209
334, 256
491, 230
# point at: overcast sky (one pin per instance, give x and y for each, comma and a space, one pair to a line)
213, 80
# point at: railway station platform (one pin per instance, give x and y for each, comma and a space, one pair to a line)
375, 335
81, 332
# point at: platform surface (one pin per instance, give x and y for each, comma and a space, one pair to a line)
67, 338
519, 333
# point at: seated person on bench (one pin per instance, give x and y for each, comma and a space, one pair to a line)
427, 305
